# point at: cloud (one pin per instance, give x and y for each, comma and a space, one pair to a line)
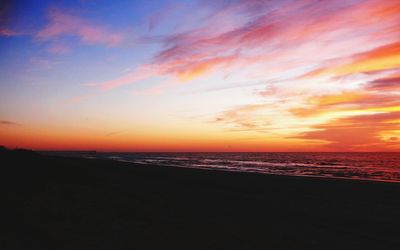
182, 71
347, 101
61, 23
364, 132
9, 123
187, 70
6, 19
161, 16
256, 117
8, 32
58, 48
382, 58
366, 118
118, 132
385, 84
253, 34
138, 74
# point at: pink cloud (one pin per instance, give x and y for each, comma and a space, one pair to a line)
140, 73
280, 29
388, 84
65, 24
271, 36
181, 71
8, 32
161, 16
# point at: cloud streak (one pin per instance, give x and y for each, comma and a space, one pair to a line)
9, 123
282, 31
62, 23
365, 132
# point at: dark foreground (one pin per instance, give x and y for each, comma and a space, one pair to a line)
66, 203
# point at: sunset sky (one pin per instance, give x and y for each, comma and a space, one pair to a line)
202, 75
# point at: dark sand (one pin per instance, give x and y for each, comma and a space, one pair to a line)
67, 203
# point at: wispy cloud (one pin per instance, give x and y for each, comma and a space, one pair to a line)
161, 16
255, 33
39, 63
59, 48
9, 123
6, 20
365, 132
244, 117
62, 23
9, 32
138, 74
390, 83
118, 132
382, 58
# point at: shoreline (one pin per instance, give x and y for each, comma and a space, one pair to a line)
255, 172
166, 166
266, 170
74, 203
234, 171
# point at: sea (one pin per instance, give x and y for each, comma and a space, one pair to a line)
379, 166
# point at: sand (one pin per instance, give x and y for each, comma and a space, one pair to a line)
68, 203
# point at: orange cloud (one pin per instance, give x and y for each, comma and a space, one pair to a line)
362, 132
381, 58
191, 70
9, 123
337, 99
359, 101
243, 117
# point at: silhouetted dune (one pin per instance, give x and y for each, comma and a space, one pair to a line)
68, 203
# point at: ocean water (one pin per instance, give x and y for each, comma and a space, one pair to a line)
368, 166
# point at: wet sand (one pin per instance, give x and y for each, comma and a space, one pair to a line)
69, 203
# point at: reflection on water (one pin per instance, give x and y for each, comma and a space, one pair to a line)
372, 166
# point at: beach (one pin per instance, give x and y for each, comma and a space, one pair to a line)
54, 202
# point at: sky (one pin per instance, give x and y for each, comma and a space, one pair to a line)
201, 75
